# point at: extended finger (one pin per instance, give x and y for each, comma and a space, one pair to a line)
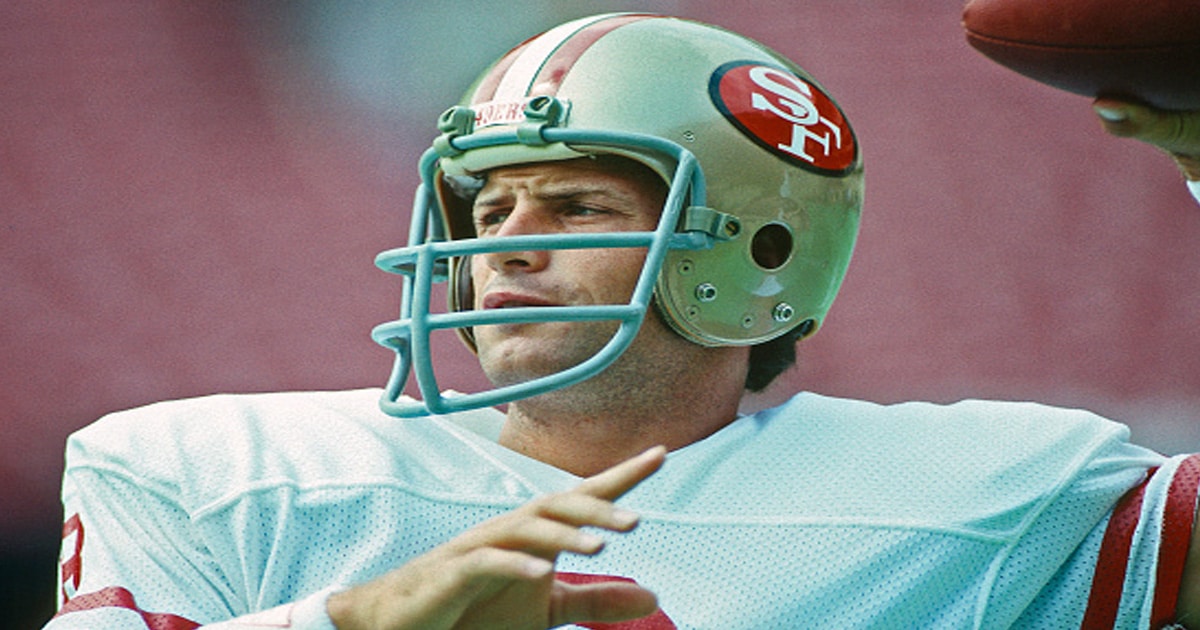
432, 591
487, 571
489, 563
537, 529
585, 510
546, 538
623, 477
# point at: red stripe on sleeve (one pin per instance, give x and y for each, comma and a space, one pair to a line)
72, 565
1178, 518
117, 597
1109, 579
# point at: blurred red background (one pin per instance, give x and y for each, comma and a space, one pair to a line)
193, 194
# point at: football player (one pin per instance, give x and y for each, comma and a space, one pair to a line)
637, 217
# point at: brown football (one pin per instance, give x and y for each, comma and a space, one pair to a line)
1147, 50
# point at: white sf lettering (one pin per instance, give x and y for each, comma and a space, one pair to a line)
796, 96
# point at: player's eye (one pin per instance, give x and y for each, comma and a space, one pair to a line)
582, 210
490, 220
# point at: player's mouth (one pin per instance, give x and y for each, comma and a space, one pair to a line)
506, 299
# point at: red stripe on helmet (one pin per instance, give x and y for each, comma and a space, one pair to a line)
556, 67
552, 70
486, 90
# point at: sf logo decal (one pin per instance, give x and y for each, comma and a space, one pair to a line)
786, 115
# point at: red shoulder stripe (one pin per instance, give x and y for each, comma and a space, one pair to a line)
1109, 579
1178, 519
72, 563
117, 597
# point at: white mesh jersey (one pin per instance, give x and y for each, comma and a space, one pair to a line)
822, 513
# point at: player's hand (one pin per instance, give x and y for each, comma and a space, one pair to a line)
1176, 132
500, 574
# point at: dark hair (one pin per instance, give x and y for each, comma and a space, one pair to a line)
769, 359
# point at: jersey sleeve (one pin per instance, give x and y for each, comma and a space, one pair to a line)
1139, 567
128, 556
130, 559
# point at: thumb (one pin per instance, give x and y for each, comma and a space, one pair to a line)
1172, 131
604, 602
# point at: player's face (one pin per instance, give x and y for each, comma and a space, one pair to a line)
582, 195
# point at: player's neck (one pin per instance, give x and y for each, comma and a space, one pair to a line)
585, 430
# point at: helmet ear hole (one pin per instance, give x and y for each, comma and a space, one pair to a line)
771, 246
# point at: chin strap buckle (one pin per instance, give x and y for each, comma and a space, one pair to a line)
541, 112
455, 122
720, 226
537, 114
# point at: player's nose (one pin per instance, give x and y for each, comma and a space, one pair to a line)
525, 218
